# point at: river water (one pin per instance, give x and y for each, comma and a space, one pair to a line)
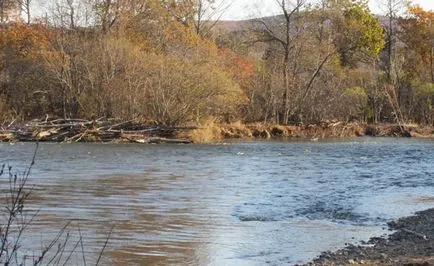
250, 203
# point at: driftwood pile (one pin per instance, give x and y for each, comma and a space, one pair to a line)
100, 130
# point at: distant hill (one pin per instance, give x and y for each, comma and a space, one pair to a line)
237, 32
227, 26
237, 25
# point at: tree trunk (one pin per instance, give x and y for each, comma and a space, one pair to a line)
286, 88
389, 50
432, 63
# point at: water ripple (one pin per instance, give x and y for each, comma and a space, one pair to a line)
250, 203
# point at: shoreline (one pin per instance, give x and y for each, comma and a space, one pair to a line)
332, 130
77, 130
411, 243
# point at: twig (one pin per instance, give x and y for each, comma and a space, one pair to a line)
82, 246
17, 200
105, 244
72, 252
60, 250
20, 233
51, 245
82, 136
11, 123
115, 125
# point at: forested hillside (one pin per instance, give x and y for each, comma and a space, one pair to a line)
161, 61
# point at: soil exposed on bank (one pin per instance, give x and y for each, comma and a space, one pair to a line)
412, 243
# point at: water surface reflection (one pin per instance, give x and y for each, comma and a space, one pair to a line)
240, 204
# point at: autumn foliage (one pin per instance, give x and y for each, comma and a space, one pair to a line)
152, 60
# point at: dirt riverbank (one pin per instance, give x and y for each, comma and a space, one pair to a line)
105, 130
213, 132
412, 243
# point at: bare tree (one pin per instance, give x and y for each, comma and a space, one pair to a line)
3, 6
394, 92
8, 10
281, 33
391, 8
25, 6
202, 15
107, 12
208, 14
71, 13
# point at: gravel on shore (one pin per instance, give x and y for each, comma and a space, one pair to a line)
412, 243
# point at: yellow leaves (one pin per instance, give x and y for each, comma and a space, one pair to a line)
424, 89
356, 92
181, 34
179, 90
365, 27
166, 87
163, 27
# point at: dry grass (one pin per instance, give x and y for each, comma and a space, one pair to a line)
212, 131
209, 132
236, 130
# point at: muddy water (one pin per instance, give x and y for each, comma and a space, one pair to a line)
236, 204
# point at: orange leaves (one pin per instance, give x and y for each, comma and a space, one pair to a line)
421, 15
418, 31
421, 21
25, 40
241, 69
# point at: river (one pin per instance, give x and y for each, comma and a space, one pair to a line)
247, 203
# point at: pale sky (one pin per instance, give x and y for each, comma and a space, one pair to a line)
244, 9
